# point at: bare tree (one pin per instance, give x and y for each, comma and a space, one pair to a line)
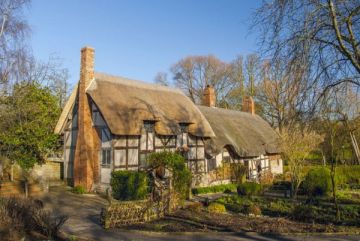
13, 32
252, 66
296, 144
323, 34
193, 73
161, 78
282, 95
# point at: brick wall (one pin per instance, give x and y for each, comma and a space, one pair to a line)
86, 162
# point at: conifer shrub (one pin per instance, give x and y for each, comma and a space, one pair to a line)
129, 185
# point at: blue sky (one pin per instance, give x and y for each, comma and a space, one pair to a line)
137, 39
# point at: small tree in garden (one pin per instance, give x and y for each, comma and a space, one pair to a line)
181, 176
297, 144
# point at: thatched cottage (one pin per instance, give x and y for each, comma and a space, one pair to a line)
112, 123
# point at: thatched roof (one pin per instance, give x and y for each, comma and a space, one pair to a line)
126, 103
248, 135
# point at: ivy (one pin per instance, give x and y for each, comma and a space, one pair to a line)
181, 176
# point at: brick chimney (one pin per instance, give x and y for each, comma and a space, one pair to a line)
248, 105
86, 162
209, 97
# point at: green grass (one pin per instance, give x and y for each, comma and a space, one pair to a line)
215, 189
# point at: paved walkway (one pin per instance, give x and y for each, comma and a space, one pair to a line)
84, 212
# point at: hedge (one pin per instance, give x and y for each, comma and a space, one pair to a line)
129, 185
249, 189
215, 189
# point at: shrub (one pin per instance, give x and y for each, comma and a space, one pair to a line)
266, 178
129, 185
249, 189
216, 208
195, 207
225, 188
79, 189
305, 213
252, 209
277, 208
176, 163
239, 172
317, 182
26, 216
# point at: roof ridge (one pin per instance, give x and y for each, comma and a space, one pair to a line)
228, 110
134, 83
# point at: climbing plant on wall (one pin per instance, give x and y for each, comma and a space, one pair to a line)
181, 176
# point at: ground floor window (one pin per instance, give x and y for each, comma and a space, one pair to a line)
106, 157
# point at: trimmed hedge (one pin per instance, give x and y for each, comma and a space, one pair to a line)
249, 189
129, 185
317, 182
223, 188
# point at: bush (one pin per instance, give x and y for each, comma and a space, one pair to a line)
317, 182
277, 208
195, 207
249, 189
252, 209
225, 188
19, 217
305, 213
216, 208
129, 185
79, 189
239, 172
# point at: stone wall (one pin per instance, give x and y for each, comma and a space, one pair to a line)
120, 213
48, 171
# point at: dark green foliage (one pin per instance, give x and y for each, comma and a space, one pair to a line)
305, 213
236, 204
249, 189
79, 189
129, 185
223, 188
176, 163
28, 118
317, 182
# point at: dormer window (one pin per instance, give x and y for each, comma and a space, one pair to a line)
184, 127
149, 126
